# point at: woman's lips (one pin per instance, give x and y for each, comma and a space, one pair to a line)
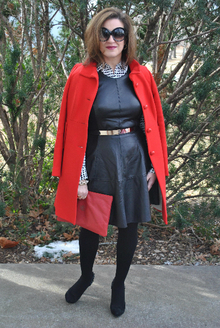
111, 47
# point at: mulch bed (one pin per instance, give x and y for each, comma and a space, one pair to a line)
157, 245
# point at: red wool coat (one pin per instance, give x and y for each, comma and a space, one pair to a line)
79, 94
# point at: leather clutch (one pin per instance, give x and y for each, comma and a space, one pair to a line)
93, 213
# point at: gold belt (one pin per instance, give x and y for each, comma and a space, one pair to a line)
115, 132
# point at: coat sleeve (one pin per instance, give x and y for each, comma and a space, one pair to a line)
160, 121
59, 145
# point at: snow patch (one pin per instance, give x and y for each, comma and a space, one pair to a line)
57, 249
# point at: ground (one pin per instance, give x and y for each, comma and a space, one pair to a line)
156, 244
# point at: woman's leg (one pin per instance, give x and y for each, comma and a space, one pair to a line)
88, 244
126, 245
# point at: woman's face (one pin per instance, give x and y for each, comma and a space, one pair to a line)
111, 49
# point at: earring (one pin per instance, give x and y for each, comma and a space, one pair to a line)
125, 47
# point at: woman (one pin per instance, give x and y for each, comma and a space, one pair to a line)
105, 101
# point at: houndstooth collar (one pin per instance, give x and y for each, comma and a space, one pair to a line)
120, 70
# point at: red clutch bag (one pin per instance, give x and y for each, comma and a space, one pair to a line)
93, 213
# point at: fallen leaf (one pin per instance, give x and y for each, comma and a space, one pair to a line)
37, 240
46, 237
68, 236
201, 257
47, 224
8, 211
35, 212
69, 254
215, 249
6, 243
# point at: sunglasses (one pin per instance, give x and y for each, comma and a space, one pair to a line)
118, 34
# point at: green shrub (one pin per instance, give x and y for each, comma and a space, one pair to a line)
204, 216
2, 209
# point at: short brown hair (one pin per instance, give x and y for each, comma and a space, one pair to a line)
93, 31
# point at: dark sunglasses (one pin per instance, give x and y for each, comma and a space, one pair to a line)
118, 34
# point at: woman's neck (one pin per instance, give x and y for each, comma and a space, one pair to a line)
112, 63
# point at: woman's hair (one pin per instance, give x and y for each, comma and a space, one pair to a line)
92, 35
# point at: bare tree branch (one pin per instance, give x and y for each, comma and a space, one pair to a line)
184, 39
184, 85
43, 88
9, 29
61, 57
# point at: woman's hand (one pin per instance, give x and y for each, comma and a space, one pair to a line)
82, 191
151, 178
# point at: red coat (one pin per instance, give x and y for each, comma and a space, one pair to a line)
79, 94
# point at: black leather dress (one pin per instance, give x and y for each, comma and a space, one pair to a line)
117, 165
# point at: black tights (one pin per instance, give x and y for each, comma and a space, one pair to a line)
88, 243
126, 245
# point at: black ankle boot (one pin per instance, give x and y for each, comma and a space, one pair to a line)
76, 291
118, 299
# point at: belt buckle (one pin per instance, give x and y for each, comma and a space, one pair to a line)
126, 130
115, 132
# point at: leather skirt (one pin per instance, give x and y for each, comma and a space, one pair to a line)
117, 166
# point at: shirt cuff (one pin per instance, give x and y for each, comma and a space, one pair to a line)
84, 174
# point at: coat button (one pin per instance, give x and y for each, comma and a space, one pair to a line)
136, 84
152, 152
145, 106
149, 130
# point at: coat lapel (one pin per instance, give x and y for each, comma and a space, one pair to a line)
89, 71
